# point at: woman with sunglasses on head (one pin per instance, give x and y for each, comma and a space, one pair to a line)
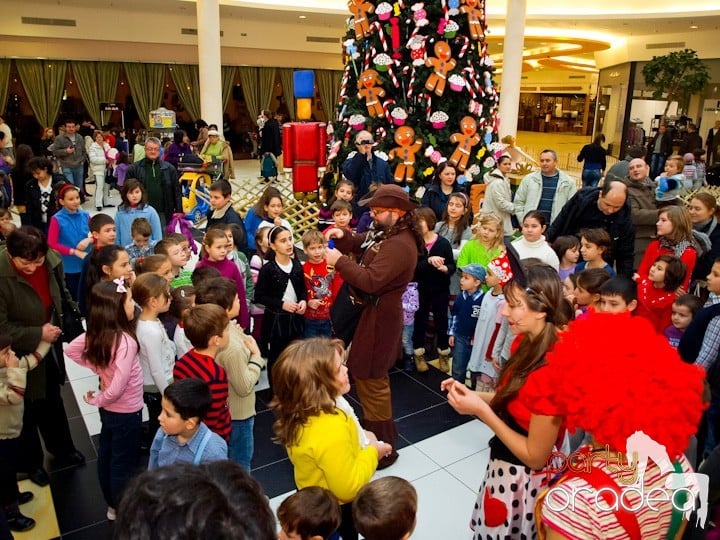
523, 441
363, 167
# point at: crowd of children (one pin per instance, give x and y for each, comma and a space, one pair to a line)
191, 345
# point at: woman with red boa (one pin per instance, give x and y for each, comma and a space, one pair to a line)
523, 440
635, 397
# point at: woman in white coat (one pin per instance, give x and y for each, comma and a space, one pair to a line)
498, 197
98, 163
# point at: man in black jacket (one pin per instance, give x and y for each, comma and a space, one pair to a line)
658, 150
160, 180
606, 208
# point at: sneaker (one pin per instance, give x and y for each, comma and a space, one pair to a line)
111, 514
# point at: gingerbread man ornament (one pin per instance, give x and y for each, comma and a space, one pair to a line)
409, 146
474, 14
360, 10
442, 63
466, 139
370, 92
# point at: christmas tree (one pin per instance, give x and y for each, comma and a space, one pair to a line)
418, 76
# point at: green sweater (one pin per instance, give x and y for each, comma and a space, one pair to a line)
475, 252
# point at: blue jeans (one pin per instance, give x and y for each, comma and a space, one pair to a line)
461, 357
657, 164
242, 442
76, 175
117, 452
407, 343
317, 328
591, 177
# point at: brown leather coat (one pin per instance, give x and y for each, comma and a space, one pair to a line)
386, 268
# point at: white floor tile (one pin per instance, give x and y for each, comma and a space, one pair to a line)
457, 443
76, 371
92, 422
411, 465
80, 387
275, 503
444, 507
471, 470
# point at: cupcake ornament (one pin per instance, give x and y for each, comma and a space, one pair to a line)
451, 29
399, 116
382, 61
438, 119
357, 122
456, 82
384, 11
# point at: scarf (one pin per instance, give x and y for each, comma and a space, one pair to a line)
678, 248
707, 226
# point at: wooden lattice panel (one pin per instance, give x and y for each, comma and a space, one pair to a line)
302, 215
712, 190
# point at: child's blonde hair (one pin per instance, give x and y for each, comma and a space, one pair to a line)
490, 219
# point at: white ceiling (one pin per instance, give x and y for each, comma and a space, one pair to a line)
594, 19
635, 18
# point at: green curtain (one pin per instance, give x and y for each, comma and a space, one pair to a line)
328, 83
44, 84
266, 85
4, 81
97, 83
187, 84
228, 78
286, 79
146, 83
250, 87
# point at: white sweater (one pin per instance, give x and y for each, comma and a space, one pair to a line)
539, 249
157, 355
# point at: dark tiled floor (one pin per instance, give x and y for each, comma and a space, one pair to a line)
421, 411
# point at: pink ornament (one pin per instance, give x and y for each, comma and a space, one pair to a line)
436, 156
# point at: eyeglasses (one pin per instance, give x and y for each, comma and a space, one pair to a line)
379, 210
360, 143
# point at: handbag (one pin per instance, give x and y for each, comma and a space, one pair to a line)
71, 320
346, 311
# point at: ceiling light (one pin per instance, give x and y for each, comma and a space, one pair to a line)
693, 27
302, 17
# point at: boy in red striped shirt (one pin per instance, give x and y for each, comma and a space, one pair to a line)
208, 329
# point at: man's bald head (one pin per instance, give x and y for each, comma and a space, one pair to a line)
613, 196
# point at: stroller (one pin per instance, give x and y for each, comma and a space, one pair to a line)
195, 179
268, 167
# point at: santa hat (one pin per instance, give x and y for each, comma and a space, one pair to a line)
500, 266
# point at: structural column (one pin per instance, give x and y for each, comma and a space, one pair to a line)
513, 45
208, 26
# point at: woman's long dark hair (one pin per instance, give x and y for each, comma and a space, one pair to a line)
544, 294
463, 223
106, 323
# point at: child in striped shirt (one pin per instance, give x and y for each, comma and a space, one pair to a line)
208, 329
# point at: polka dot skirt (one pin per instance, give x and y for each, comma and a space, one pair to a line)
506, 502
